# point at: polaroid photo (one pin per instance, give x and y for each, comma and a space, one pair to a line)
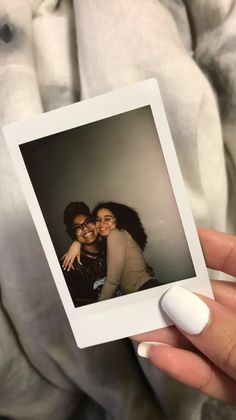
102, 180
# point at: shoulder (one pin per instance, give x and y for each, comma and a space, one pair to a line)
117, 235
116, 232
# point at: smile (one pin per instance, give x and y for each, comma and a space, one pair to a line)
88, 234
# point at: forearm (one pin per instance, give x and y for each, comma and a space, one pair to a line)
108, 291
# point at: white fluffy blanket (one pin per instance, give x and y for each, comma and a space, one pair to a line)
53, 53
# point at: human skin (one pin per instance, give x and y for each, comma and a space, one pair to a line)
105, 221
206, 360
86, 237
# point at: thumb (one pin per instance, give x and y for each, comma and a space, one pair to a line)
208, 325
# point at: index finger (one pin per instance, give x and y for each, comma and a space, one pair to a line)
219, 250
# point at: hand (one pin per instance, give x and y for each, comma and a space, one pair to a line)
200, 350
70, 256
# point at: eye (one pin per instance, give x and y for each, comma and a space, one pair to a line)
108, 218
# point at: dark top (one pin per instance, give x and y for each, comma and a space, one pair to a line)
85, 282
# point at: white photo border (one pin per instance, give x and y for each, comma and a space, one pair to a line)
137, 312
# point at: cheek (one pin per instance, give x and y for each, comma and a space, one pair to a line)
78, 237
104, 231
95, 232
98, 226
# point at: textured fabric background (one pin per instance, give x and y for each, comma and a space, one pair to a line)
53, 53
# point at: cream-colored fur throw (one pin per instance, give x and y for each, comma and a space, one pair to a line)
53, 53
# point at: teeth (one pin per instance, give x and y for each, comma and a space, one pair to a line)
87, 234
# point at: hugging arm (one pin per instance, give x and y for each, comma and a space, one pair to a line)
69, 257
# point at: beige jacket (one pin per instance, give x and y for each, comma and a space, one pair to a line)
126, 266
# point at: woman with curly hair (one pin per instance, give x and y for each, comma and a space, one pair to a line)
126, 219
127, 269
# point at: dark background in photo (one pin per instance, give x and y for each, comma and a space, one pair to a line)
115, 159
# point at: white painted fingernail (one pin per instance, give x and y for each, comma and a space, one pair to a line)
186, 310
143, 348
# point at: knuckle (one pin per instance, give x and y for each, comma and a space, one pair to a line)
228, 356
207, 382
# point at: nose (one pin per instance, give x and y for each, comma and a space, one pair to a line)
85, 229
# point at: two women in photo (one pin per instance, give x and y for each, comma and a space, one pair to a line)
115, 232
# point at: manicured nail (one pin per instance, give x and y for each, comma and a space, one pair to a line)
143, 348
186, 310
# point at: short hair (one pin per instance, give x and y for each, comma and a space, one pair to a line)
127, 218
72, 210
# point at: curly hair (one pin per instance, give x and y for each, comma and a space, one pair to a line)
72, 210
127, 219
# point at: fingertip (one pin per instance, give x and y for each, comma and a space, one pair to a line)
143, 350
144, 347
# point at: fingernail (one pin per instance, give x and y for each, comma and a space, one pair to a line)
186, 310
143, 348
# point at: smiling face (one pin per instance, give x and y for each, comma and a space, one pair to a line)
84, 229
105, 221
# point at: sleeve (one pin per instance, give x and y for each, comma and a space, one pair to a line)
116, 251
